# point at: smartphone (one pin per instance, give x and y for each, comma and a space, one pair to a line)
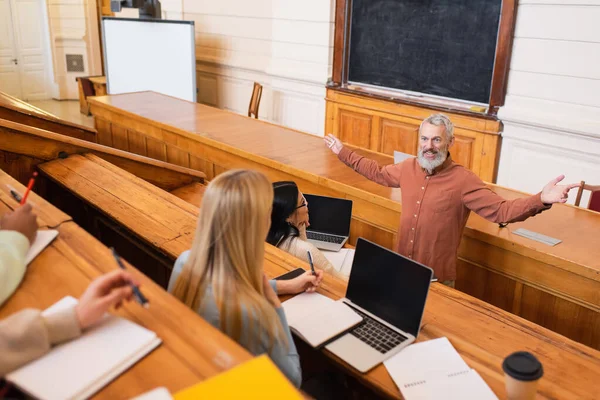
290, 275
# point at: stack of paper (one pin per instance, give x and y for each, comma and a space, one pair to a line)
258, 378
316, 318
78, 369
341, 260
434, 370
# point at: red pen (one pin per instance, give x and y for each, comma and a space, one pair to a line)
29, 186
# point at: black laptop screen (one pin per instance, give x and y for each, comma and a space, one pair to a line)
329, 214
388, 285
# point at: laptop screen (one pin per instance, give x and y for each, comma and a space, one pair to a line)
329, 214
388, 285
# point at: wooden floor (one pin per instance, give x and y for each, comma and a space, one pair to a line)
65, 109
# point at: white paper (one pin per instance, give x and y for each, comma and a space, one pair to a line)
434, 370
425, 360
42, 240
160, 393
399, 156
465, 386
341, 260
317, 318
79, 368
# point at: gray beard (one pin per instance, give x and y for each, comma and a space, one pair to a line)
430, 165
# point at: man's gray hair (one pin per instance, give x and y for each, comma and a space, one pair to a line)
439, 120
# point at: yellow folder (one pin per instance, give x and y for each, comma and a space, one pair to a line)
258, 378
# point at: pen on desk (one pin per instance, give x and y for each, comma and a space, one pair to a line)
15, 194
136, 291
29, 186
310, 261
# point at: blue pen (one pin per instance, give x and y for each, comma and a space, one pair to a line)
310, 261
136, 291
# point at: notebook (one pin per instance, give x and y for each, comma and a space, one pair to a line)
161, 393
42, 240
316, 319
399, 156
434, 370
79, 368
341, 260
258, 378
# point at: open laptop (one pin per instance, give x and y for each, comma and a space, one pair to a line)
329, 221
389, 291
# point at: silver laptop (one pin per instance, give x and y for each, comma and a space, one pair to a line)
329, 221
389, 291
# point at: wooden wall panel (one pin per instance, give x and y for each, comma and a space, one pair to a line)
120, 138
156, 149
463, 151
398, 136
562, 316
355, 128
485, 284
104, 132
360, 228
137, 143
200, 164
178, 157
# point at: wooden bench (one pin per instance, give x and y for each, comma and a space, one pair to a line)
482, 333
67, 266
13, 109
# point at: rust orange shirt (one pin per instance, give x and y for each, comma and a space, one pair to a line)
435, 207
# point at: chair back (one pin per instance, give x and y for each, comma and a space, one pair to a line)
594, 201
255, 100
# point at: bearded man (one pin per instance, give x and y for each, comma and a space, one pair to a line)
439, 194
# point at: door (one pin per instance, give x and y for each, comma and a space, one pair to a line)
23, 28
10, 80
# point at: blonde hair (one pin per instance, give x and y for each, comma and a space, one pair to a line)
228, 255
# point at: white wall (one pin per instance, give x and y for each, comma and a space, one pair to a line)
552, 112
284, 45
73, 30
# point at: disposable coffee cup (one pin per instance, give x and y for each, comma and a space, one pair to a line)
522, 371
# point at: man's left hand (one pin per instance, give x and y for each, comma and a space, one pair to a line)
555, 193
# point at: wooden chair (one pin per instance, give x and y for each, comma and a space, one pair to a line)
594, 202
255, 100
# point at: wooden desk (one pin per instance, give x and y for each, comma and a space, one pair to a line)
482, 334
13, 109
557, 287
66, 267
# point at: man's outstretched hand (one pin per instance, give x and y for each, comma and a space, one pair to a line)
333, 143
555, 193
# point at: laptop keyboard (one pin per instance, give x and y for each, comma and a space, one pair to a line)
376, 335
324, 237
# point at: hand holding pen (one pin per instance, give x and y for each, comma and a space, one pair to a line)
136, 290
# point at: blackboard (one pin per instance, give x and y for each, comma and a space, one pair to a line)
438, 47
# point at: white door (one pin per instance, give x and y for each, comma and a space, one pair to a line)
26, 21
10, 80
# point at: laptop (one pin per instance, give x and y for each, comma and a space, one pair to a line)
389, 291
329, 221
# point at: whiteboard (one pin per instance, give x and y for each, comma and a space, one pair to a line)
157, 55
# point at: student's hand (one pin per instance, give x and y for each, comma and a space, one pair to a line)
104, 292
22, 220
307, 282
333, 143
554, 193
270, 294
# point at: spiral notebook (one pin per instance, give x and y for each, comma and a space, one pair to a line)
434, 370
79, 368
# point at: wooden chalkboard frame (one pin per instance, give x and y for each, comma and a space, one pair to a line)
501, 63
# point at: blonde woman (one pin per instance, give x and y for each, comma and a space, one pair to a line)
222, 275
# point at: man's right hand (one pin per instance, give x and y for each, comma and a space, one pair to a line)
334, 143
22, 220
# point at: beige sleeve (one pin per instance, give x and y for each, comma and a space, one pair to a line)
28, 335
298, 247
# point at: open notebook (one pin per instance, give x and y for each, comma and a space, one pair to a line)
79, 368
42, 240
434, 370
317, 319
